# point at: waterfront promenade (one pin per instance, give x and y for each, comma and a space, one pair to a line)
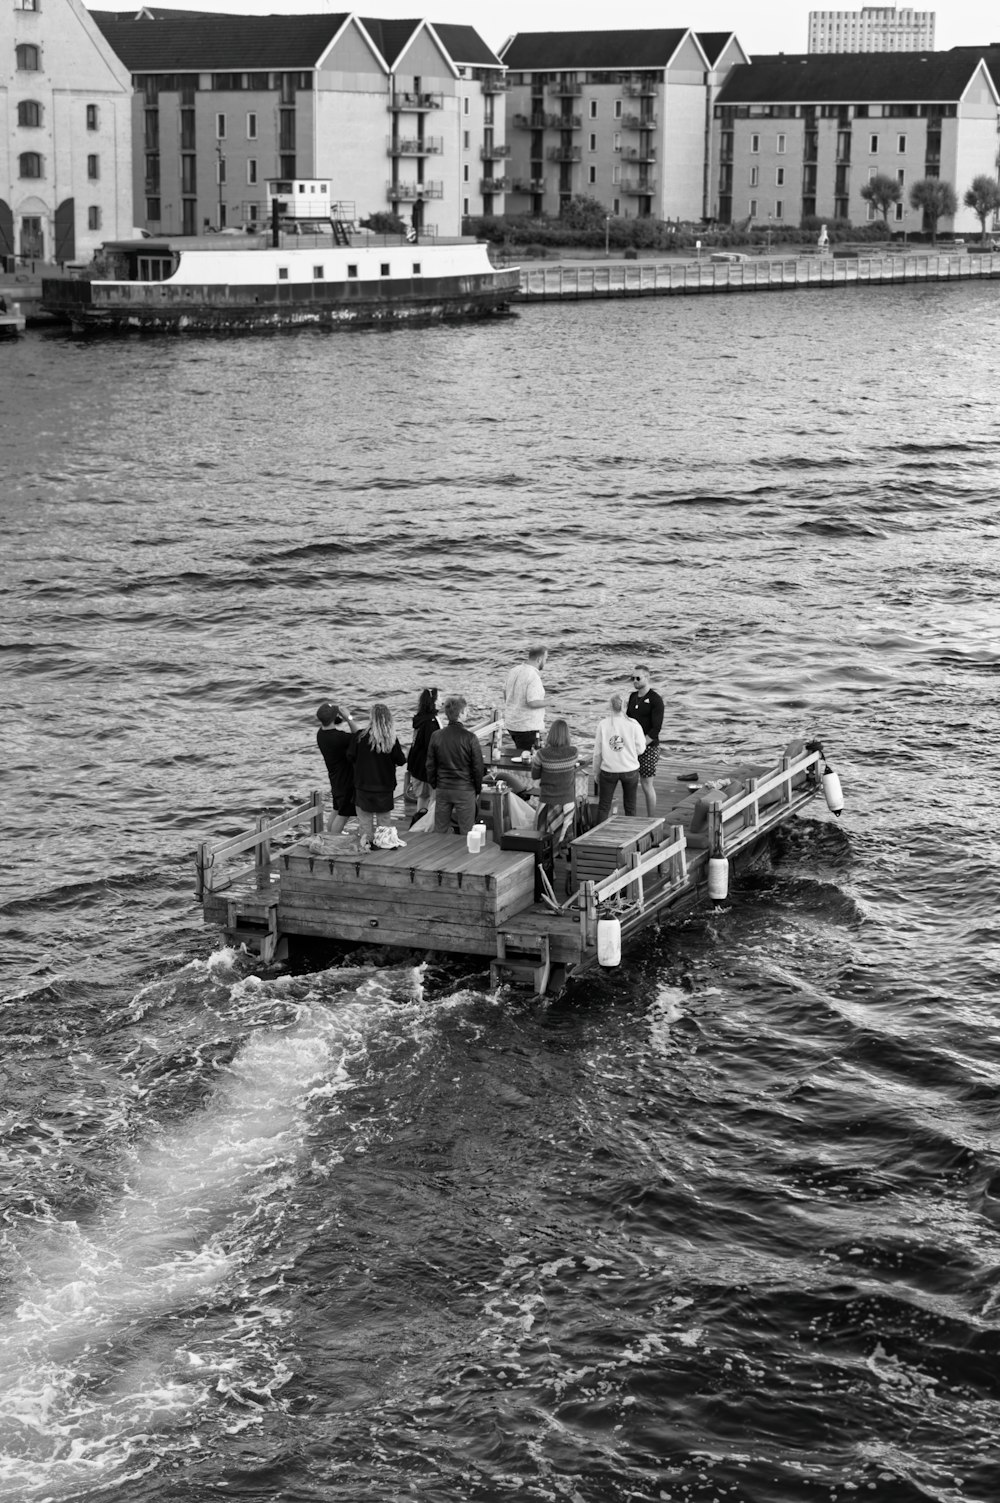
583, 280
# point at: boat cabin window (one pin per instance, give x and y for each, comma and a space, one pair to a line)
282, 273
352, 271
155, 268
416, 268
385, 268
318, 273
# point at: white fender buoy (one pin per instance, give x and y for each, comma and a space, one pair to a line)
831, 790
718, 878
609, 941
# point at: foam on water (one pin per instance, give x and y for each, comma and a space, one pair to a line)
85, 1378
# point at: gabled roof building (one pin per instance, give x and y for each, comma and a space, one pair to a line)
66, 145
799, 135
381, 109
621, 116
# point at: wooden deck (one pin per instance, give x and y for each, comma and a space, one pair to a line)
432, 894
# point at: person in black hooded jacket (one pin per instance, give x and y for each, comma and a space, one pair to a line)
425, 723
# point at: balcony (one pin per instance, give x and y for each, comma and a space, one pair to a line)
640, 88
638, 154
403, 101
638, 187
638, 122
494, 184
410, 146
564, 122
530, 122
494, 153
494, 83
413, 192
565, 88
565, 154
529, 185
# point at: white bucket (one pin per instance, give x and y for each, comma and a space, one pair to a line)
609, 941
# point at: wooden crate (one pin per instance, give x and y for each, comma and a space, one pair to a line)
434, 893
611, 845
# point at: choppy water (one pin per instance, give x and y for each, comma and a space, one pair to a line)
724, 1225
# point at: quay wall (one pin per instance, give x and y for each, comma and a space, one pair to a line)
683, 278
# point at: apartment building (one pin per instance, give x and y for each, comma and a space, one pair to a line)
620, 116
223, 104
66, 142
874, 28
800, 135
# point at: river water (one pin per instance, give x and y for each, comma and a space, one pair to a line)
720, 1227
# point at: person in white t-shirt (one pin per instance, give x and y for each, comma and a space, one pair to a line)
524, 699
619, 742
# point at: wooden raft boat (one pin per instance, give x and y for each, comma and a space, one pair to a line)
434, 894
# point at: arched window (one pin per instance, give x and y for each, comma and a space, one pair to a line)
29, 57
29, 112
29, 164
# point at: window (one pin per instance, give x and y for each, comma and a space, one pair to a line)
29, 164
29, 112
873, 143
153, 210
26, 4
93, 217
29, 58
282, 273
616, 173
352, 271
872, 174
465, 104
753, 208
317, 273
593, 109
251, 127
220, 127
899, 211
416, 268
779, 209
617, 141
618, 109
593, 142
466, 139
754, 177
755, 143
779, 177
93, 167
92, 117
465, 173
900, 143
592, 175
900, 175
220, 170
781, 145
871, 212
465, 207
616, 206
252, 171
385, 268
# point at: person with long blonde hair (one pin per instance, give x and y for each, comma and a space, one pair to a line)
376, 753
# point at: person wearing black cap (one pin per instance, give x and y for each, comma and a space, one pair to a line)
333, 741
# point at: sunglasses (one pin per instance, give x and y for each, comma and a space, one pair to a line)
637, 678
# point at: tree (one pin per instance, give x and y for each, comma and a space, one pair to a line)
583, 213
384, 222
983, 198
936, 199
882, 192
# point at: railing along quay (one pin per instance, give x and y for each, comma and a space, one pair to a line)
677, 278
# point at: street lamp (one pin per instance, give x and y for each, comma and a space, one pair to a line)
222, 179
770, 220
607, 235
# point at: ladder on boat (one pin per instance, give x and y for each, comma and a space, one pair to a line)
252, 921
522, 959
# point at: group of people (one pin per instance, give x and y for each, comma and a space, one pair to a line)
445, 762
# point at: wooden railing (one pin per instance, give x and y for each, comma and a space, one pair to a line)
673, 853
213, 871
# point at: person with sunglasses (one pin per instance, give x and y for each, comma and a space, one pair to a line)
646, 706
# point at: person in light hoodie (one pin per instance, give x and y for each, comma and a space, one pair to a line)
619, 742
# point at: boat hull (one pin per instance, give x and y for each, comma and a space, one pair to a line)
159, 308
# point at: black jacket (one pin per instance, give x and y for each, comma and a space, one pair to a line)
455, 758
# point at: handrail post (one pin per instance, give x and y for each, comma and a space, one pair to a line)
715, 829
786, 787
203, 863
751, 814
678, 863
316, 818
262, 851
496, 746
635, 861
588, 916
